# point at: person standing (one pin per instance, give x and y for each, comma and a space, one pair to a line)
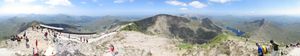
55, 35
46, 34
36, 43
275, 48
260, 50
24, 35
35, 50
27, 40
112, 49
87, 41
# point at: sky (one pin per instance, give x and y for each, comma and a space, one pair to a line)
149, 7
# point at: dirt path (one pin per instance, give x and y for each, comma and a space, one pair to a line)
136, 43
103, 36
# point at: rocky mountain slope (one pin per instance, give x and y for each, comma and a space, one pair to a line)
264, 30
190, 30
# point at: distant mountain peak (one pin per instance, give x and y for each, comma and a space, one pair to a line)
207, 20
191, 31
162, 15
260, 22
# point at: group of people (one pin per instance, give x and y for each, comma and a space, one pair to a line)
15, 37
46, 36
19, 38
25, 37
273, 48
47, 33
82, 39
293, 45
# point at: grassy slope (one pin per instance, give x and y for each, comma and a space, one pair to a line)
131, 27
218, 39
214, 42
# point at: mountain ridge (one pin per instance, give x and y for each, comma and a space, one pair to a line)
192, 31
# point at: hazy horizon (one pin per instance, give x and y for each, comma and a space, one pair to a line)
150, 7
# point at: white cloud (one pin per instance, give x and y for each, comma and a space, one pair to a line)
286, 11
26, 1
19, 1
122, 1
59, 2
197, 4
184, 9
221, 1
16, 9
30, 6
176, 3
119, 1
9, 1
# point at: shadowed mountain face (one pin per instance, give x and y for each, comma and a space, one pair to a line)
284, 29
259, 22
265, 30
252, 25
192, 31
102, 24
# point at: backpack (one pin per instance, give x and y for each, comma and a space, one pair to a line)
264, 49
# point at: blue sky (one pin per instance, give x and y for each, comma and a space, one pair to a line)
149, 7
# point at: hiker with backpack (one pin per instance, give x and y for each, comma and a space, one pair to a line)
259, 50
262, 49
275, 48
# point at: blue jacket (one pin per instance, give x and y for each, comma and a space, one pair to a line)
260, 51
